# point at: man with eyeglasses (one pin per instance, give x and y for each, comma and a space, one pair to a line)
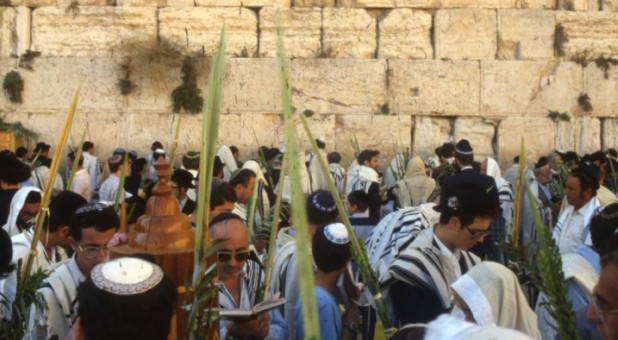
91, 228
418, 280
239, 284
604, 307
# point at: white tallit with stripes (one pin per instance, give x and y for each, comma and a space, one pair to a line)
422, 264
395, 232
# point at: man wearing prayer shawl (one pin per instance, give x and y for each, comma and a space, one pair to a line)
316, 176
368, 179
12, 172
418, 280
416, 186
24, 207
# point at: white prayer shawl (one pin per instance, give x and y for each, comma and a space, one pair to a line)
396, 171
366, 176
452, 328
81, 184
263, 205
490, 281
505, 194
416, 186
353, 170
337, 172
317, 180
395, 232
424, 265
17, 203
227, 157
285, 281
91, 165
576, 268
60, 293
304, 181
39, 179
569, 237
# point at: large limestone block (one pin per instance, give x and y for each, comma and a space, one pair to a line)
301, 29
372, 132
34, 3
529, 87
200, 28
405, 34
251, 86
479, 132
434, 86
314, 3
93, 31
180, 3
465, 33
142, 3
52, 83
589, 33
538, 134
610, 133
528, 4
582, 133
348, 33
440, 4
367, 3
526, 34
7, 35
23, 28
602, 90
429, 133
243, 3
338, 86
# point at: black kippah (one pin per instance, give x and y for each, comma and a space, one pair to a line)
324, 201
224, 217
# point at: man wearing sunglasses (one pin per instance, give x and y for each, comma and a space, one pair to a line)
239, 282
91, 228
604, 307
419, 278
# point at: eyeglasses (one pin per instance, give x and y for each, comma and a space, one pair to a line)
599, 311
240, 256
476, 234
91, 252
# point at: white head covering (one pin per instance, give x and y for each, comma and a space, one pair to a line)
227, 157
493, 169
491, 281
415, 167
17, 203
255, 167
452, 328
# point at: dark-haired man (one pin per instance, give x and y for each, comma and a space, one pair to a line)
181, 182
91, 228
337, 172
421, 275
92, 166
81, 179
12, 172
580, 190
243, 182
604, 308
317, 178
25, 205
368, 179
109, 187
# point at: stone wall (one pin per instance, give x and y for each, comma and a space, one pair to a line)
412, 73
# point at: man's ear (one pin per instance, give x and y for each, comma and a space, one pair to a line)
454, 223
63, 231
73, 243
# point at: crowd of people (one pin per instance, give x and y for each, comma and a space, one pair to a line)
439, 234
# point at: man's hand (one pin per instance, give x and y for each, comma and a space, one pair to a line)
257, 327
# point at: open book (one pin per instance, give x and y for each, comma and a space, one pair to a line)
264, 306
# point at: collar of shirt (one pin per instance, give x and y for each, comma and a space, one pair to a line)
76, 274
361, 214
444, 250
582, 210
466, 167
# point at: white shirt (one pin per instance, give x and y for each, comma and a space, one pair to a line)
81, 183
452, 256
569, 231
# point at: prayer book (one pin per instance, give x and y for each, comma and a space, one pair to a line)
264, 306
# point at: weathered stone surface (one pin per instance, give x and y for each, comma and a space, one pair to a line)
367, 3
142, 3
601, 90
528, 4
201, 27
7, 33
180, 3
6, 65
251, 86
479, 132
610, 133
405, 33
438, 4
348, 33
465, 34
591, 33
428, 134
94, 31
538, 134
530, 32
314, 3
51, 85
301, 30
338, 86
434, 86
243, 3
23, 27
583, 133
372, 132
34, 3
154, 82
529, 87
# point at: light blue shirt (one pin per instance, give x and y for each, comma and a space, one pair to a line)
575, 293
331, 325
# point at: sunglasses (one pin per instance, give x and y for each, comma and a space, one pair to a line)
239, 256
476, 234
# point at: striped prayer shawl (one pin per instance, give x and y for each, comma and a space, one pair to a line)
393, 234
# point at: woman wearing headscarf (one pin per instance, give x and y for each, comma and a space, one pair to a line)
491, 281
414, 189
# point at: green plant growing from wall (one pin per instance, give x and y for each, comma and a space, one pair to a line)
605, 64
125, 85
13, 86
308, 113
556, 116
384, 109
584, 102
187, 96
26, 60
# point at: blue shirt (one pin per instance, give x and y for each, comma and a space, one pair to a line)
331, 326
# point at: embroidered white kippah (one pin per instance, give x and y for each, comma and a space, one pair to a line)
126, 276
337, 233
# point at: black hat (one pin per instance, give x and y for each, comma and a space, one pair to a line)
183, 178
570, 156
156, 145
541, 162
468, 192
62, 207
12, 169
463, 147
